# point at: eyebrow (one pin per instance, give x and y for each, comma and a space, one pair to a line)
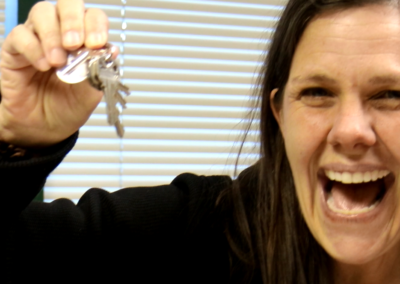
317, 78
384, 80
320, 78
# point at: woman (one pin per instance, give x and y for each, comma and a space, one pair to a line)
321, 206
334, 94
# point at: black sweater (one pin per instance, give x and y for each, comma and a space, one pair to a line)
166, 234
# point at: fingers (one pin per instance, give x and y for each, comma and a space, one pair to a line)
48, 32
22, 41
72, 15
51, 31
96, 28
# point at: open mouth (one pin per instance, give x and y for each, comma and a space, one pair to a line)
355, 193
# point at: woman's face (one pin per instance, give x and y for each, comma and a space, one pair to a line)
340, 119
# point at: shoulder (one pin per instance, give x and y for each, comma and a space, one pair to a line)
198, 185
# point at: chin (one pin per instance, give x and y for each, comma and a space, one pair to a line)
355, 251
356, 236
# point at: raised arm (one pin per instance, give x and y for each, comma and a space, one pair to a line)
37, 109
170, 233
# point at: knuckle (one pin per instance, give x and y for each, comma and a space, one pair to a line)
17, 30
71, 21
70, 2
52, 42
30, 46
51, 35
96, 12
40, 6
97, 19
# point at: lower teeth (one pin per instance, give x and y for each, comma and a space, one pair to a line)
331, 206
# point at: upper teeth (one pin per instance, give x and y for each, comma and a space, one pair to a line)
346, 177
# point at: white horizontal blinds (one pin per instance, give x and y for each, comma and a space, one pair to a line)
191, 67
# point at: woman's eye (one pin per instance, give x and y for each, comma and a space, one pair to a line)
315, 92
317, 97
387, 100
388, 95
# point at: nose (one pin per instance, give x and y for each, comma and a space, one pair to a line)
352, 132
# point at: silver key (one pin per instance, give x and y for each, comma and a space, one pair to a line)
76, 70
103, 74
111, 100
109, 89
114, 98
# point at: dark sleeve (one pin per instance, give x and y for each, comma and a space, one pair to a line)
21, 179
166, 234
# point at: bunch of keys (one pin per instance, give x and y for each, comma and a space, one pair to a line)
102, 71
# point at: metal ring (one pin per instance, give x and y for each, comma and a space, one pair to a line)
93, 77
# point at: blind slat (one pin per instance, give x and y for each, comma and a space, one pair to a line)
140, 145
140, 171
173, 50
190, 75
190, 87
157, 160
192, 41
188, 99
246, 8
136, 109
202, 18
177, 123
200, 65
164, 134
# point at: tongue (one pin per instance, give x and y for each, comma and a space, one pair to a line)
355, 196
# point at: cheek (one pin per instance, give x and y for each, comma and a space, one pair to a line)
305, 132
387, 129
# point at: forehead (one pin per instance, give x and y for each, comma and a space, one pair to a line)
363, 37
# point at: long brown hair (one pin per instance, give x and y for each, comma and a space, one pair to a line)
269, 240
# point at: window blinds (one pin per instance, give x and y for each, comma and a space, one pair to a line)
191, 67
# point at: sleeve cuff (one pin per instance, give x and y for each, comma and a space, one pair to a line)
22, 178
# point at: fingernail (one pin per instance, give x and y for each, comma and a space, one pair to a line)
42, 64
96, 38
57, 55
72, 38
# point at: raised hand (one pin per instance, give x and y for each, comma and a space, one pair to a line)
37, 109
